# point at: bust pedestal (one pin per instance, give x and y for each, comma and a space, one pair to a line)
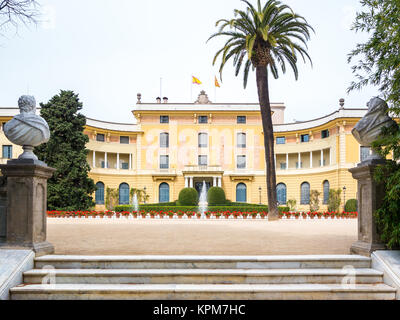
370, 196
27, 205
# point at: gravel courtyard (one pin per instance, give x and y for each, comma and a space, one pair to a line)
201, 237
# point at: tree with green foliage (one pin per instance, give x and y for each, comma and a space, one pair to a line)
266, 39
141, 194
334, 200
314, 200
69, 188
378, 62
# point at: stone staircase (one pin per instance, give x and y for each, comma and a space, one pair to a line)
203, 277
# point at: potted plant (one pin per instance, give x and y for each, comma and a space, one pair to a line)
297, 215
304, 215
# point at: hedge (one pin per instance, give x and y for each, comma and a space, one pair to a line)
149, 208
188, 197
216, 196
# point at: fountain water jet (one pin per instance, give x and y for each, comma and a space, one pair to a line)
203, 204
135, 203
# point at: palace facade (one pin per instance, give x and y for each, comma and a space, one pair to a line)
169, 146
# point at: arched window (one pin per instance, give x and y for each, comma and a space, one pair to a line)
163, 195
99, 196
241, 193
164, 140
281, 193
305, 193
326, 191
124, 193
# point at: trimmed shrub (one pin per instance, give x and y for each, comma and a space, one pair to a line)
188, 197
216, 196
351, 205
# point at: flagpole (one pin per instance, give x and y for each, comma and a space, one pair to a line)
191, 89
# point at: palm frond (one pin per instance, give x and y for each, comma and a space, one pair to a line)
274, 28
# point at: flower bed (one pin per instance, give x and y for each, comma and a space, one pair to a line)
318, 215
180, 214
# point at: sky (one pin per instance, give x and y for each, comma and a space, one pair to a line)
107, 51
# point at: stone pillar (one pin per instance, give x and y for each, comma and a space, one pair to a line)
117, 161
220, 182
287, 161
369, 196
311, 160
27, 205
191, 182
186, 182
214, 181
299, 161
105, 160
94, 159
322, 158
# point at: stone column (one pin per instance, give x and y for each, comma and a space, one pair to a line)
287, 161
311, 159
220, 182
94, 159
105, 160
27, 205
299, 161
369, 196
214, 181
191, 182
322, 158
186, 182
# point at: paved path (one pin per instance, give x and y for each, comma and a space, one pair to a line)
182, 237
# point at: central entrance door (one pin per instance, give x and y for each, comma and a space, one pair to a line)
199, 185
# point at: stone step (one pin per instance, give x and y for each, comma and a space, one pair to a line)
203, 292
202, 276
202, 262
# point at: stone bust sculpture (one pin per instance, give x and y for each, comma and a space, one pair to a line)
368, 129
27, 129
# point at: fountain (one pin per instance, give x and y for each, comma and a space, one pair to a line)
135, 203
203, 200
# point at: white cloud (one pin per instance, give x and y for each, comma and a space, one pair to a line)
348, 17
48, 20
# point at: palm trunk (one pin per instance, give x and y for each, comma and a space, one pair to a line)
263, 96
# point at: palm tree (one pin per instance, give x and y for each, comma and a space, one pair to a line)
265, 39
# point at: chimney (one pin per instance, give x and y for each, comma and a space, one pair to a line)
139, 98
341, 102
165, 99
158, 100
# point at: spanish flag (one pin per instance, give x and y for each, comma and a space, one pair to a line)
195, 80
217, 83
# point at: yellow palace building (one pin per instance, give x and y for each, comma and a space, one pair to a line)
169, 146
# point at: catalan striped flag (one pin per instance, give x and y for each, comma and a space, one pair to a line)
217, 83
195, 80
